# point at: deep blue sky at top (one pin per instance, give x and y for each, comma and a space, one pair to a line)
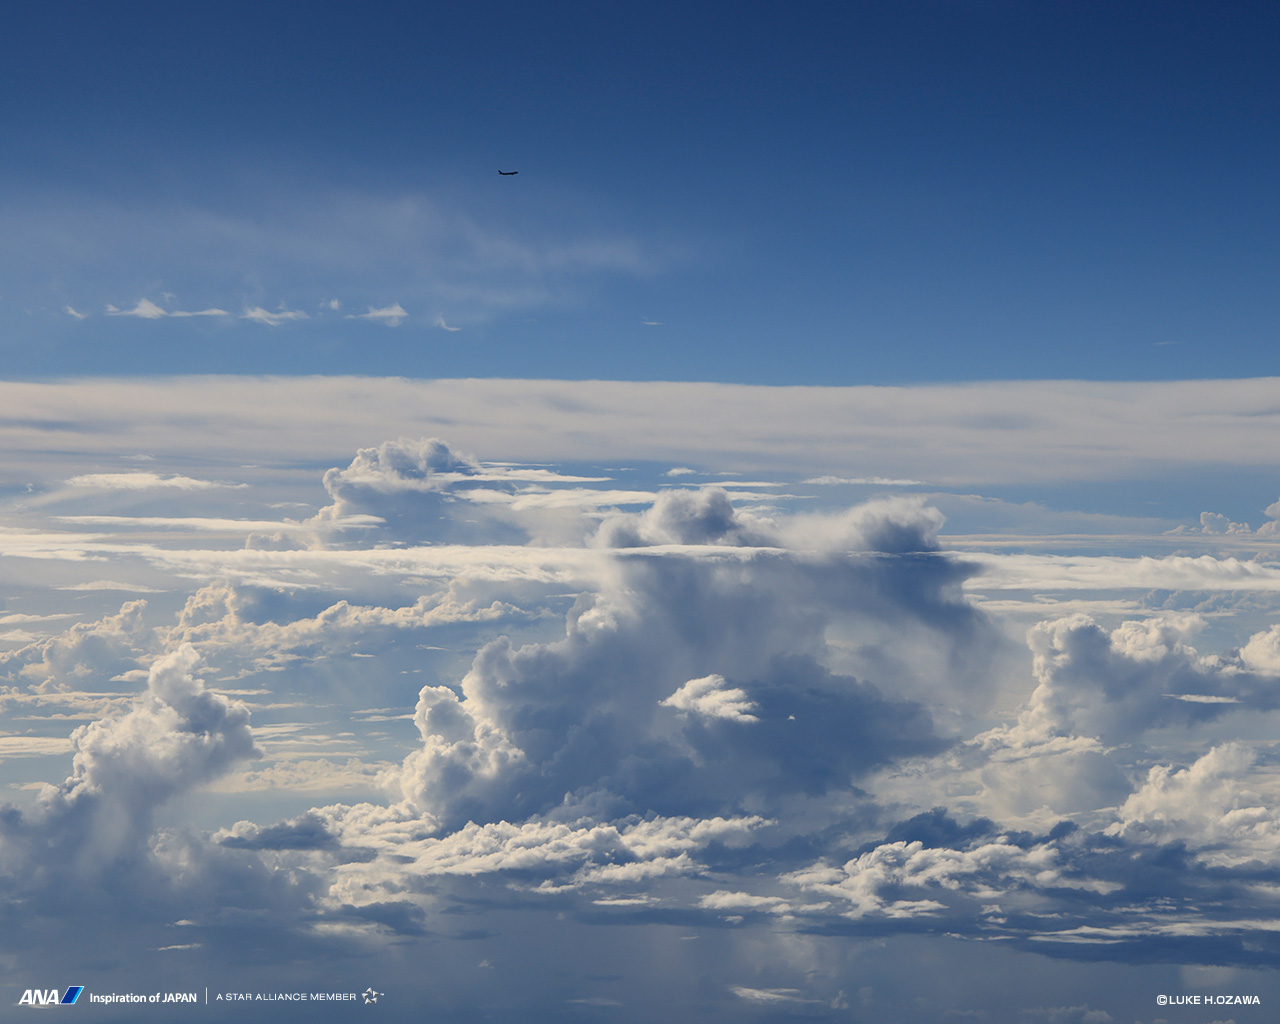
818, 193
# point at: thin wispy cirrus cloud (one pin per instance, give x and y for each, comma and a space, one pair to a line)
273, 318
392, 315
145, 309
139, 481
148, 310
417, 244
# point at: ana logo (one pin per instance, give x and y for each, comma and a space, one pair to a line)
45, 997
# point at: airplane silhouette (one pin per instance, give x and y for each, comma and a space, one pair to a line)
508, 172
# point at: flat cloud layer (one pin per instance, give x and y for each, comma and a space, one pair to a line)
587, 737
1016, 432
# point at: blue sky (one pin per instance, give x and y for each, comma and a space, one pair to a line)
839, 194
805, 548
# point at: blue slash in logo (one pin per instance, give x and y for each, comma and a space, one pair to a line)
71, 995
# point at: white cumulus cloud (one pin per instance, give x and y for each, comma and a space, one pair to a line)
712, 697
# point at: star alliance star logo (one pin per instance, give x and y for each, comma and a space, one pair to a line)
370, 996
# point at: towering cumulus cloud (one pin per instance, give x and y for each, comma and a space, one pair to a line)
699, 677
178, 735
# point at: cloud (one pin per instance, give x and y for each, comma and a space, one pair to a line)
33, 746
136, 588
25, 617
421, 246
1130, 896
262, 316
261, 628
1097, 431
1115, 685
199, 312
144, 482
877, 481
705, 516
410, 486
704, 712
1209, 806
424, 491
1215, 522
392, 315
569, 855
646, 696
86, 651
722, 899
316, 775
875, 882
1099, 695
1018, 571
74, 313
144, 310
177, 735
710, 697
1272, 528
180, 734
439, 322
1262, 652
148, 310
197, 524
769, 996
425, 465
